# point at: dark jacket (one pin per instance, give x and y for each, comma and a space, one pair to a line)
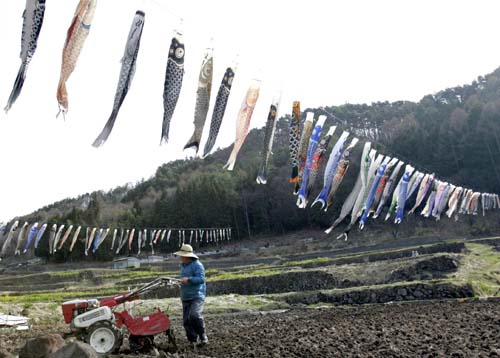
196, 288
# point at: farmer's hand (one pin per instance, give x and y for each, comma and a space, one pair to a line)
185, 280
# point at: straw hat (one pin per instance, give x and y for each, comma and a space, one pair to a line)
186, 251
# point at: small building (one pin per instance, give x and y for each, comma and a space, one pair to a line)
126, 262
154, 259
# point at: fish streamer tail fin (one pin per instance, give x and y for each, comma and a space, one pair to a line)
193, 143
297, 188
18, 85
322, 197
232, 158
378, 211
106, 131
262, 176
295, 175
329, 230
207, 149
230, 162
62, 98
165, 129
345, 234
5, 247
321, 202
301, 201
335, 223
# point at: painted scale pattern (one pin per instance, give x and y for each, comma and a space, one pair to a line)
32, 24
202, 101
219, 110
173, 84
294, 139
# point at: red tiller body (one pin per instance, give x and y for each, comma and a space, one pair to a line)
100, 323
69, 309
145, 325
113, 301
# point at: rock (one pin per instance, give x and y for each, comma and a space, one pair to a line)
42, 346
5, 354
402, 292
75, 350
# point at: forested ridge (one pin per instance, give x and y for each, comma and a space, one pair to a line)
454, 133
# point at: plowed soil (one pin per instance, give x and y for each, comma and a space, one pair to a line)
439, 329
413, 329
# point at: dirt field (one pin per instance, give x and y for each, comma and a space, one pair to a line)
425, 329
439, 329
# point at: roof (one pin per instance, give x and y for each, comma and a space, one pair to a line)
126, 259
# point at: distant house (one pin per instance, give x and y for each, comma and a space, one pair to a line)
126, 262
153, 259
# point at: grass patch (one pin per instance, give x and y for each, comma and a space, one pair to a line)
141, 269
212, 272
480, 267
66, 274
239, 275
307, 262
113, 275
127, 276
262, 303
58, 296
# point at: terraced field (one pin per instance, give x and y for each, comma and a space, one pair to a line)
286, 288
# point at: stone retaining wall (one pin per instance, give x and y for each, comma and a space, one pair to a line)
434, 267
391, 255
279, 283
418, 291
299, 281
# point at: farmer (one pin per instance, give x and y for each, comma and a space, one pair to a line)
193, 292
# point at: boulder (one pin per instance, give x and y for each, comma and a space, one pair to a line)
418, 293
5, 354
75, 350
42, 346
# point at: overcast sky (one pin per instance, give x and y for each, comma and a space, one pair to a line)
319, 52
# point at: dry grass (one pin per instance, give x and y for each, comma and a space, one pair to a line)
481, 268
